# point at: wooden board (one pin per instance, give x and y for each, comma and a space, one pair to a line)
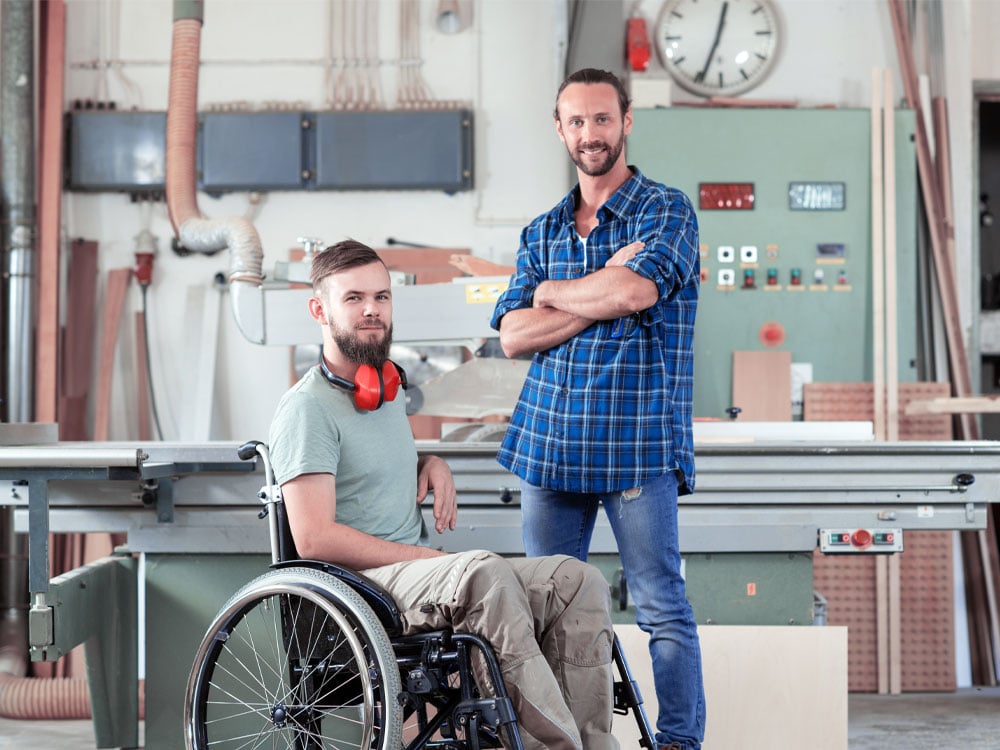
762, 385
78, 341
114, 301
52, 17
765, 686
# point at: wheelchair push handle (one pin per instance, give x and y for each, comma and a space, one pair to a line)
269, 494
248, 450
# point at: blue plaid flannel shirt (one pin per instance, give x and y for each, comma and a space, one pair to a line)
611, 408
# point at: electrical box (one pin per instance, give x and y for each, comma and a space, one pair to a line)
783, 199
397, 150
107, 149
112, 151
265, 150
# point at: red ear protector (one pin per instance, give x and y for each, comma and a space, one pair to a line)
371, 387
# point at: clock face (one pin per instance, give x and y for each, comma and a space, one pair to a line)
717, 47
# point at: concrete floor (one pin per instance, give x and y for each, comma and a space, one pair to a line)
968, 719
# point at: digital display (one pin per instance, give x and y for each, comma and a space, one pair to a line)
817, 196
725, 196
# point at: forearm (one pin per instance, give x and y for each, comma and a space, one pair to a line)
347, 546
536, 329
606, 294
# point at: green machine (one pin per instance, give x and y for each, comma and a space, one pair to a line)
784, 205
783, 199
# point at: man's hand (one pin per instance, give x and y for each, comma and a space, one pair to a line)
433, 475
625, 254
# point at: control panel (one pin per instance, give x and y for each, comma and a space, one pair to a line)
838, 541
783, 199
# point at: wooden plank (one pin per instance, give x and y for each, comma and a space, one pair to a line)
878, 259
954, 405
142, 377
762, 385
52, 17
114, 301
943, 264
78, 348
78, 341
882, 622
895, 626
806, 668
889, 246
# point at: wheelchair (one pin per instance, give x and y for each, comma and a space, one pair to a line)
311, 656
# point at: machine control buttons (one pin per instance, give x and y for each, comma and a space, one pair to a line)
727, 253
749, 278
795, 277
834, 541
772, 276
727, 277
748, 254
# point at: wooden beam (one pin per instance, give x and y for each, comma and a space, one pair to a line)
878, 259
891, 296
77, 351
954, 405
114, 301
943, 264
50, 135
142, 377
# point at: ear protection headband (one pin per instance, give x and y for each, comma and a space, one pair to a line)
372, 387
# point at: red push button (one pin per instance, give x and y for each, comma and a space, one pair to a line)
861, 538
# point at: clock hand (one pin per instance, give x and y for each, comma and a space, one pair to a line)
718, 35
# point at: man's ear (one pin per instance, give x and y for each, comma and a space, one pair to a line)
316, 310
559, 129
627, 121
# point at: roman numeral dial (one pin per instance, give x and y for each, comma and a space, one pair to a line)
718, 47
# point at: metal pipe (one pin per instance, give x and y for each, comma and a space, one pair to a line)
17, 107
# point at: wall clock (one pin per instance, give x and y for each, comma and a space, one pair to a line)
718, 47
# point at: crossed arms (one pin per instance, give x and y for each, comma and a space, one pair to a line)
562, 308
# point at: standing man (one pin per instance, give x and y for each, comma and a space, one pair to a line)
352, 483
604, 297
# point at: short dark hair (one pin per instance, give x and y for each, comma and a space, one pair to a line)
593, 75
337, 257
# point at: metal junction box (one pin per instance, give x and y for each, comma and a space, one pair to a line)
112, 151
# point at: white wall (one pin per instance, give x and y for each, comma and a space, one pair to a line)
507, 66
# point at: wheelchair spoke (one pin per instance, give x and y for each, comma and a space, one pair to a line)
293, 667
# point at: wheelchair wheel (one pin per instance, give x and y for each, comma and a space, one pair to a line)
295, 659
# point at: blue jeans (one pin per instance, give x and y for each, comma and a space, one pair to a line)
644, 522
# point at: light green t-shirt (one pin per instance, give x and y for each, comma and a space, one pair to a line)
318, 429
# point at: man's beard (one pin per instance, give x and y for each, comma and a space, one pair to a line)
363, 351
604, 167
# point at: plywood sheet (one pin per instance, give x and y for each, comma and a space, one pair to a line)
765, 686
762, 385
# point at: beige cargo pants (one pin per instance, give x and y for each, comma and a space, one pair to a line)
548, 621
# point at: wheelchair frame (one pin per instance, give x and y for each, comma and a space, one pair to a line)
311, 656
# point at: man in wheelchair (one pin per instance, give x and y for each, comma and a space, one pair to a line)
345, 459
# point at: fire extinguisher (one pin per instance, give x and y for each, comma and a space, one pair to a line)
637, 44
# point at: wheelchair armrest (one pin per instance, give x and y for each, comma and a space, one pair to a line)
375, 596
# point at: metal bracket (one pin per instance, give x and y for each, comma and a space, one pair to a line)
41, 632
